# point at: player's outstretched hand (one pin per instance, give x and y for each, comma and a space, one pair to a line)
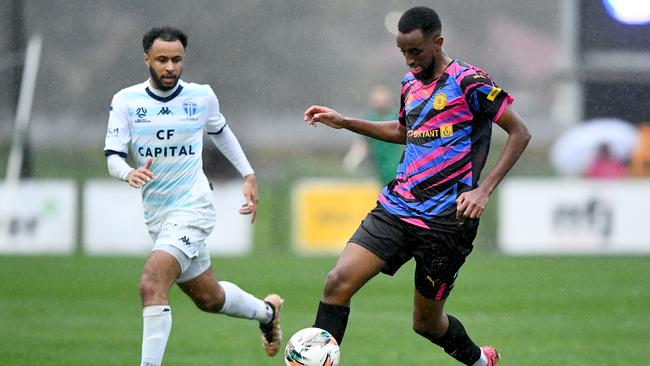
141, 176
324, 115
250, 193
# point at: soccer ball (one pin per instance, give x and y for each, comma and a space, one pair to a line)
312, 347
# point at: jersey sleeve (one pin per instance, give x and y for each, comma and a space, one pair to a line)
118, 133
215, 120
402, 112
484, 96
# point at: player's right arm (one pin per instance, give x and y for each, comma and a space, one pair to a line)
391, 131
118, 137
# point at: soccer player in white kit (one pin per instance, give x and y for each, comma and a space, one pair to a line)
162, 121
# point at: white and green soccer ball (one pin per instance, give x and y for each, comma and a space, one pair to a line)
312, 347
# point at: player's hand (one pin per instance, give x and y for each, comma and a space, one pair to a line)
324, 115
471, 204
250, 193
141, 176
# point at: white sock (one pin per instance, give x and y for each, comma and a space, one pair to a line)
481, 361
241, 304
157, 323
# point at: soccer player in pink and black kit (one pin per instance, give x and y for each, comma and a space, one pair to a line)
431, 210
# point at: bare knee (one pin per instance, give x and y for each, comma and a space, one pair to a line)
160, 271
429, 325
152, 292
338, 288
208, 303
206, 295
421, 327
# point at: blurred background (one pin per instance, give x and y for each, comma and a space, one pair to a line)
579, 71
564, 61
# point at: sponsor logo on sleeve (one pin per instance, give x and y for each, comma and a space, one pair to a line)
493, 93
113, 132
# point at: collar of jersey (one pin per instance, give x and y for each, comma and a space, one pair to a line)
167, 98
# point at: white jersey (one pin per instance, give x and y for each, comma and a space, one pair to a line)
169, 130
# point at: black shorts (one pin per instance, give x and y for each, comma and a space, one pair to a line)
439, 253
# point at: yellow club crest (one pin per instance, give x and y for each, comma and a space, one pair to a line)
440, 101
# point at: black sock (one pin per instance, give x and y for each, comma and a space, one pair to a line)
332, 318
458, 344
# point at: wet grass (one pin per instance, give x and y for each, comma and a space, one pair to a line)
82, 310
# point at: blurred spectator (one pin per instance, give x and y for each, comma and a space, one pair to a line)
606, 165
640, 158
385, 155
574, 152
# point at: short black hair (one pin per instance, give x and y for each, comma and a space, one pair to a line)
167, 34
420, 17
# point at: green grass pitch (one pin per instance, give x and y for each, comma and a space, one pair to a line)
537, 311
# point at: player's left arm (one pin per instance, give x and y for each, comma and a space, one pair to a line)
226, 141
471, 204
252, 198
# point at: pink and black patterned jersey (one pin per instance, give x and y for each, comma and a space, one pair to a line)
449, 125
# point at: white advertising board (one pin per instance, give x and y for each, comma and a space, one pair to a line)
574, 216
42, 217
114, 223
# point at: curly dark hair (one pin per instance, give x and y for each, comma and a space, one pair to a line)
422, 18
167, 34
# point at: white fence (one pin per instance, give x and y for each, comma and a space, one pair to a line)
40, 217
536, 216
574, 216
45, 214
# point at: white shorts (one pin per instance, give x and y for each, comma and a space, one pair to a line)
186, 244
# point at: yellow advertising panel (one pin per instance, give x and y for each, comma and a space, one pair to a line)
327, 212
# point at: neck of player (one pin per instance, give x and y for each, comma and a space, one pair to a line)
162, 93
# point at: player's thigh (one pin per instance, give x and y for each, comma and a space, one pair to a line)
158, 274
186, 243
439, 255
160, 268
384, 238
356, 265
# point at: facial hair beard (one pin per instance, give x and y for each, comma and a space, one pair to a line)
158, 83
427, 74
